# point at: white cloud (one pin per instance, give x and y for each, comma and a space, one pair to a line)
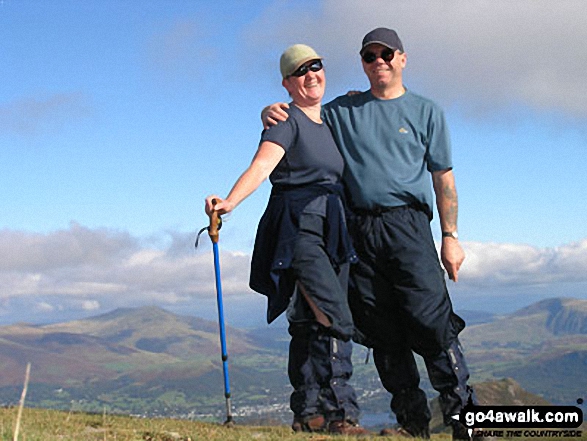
182, 50
45, 307
33, 115
64, 248
477, 54
81, 262
96, 269
492, 264
90, 305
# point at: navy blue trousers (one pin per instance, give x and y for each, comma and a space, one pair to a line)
319, 370
320, 364
400, 305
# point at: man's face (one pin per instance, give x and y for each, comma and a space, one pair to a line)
382, 73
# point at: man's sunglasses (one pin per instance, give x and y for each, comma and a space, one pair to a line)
314, 66
386, 55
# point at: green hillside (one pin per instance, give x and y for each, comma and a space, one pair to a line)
143, 361
151, 362
543, 347
155, 330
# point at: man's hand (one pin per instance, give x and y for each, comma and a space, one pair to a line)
452, 256
274, 113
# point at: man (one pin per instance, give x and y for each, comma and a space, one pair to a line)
392, 141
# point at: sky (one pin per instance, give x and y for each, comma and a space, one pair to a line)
118, 118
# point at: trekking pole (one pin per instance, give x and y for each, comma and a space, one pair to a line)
215, 224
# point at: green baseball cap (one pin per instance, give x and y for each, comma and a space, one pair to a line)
294, 56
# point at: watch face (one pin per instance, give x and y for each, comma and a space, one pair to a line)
452, 234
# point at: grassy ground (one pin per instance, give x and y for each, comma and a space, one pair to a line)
52, 425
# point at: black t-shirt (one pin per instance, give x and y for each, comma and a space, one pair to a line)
311, 155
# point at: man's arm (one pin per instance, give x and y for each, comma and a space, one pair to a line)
274, 113
451, 253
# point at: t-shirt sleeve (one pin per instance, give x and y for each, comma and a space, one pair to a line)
284, 133
439, 156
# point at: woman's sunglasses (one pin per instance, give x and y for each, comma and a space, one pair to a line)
386, 55
314, 66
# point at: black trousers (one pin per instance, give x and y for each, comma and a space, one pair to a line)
400, 305
320, 364
319, 370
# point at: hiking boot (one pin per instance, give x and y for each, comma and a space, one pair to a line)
460, 432
347, 428
314, 423
402, 432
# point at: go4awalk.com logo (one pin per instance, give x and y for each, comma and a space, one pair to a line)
513, 421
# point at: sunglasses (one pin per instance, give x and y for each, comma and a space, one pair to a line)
314, 66
386, 55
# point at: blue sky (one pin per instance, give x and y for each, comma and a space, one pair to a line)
118, 118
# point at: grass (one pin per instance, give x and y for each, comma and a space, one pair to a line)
54, 425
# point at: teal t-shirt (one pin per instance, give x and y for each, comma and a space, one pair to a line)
390, 147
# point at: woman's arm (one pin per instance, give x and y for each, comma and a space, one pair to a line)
264, 162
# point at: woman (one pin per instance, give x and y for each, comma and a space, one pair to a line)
302, 251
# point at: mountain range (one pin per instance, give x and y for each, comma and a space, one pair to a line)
149, 361
542, 346
134, 341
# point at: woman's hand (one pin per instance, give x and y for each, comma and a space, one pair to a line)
217, 204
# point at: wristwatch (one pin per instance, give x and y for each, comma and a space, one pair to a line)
452, 234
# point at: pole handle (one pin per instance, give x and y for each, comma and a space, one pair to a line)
215, 222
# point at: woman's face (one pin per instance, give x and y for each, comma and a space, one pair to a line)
307, 89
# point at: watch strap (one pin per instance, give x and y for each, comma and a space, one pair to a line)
452, 234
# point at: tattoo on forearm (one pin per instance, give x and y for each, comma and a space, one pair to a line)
451, 207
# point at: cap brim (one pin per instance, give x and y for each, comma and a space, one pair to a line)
382, 43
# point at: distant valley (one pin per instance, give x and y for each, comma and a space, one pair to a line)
148, 361
542, 346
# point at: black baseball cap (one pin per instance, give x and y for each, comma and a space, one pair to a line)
386, 37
